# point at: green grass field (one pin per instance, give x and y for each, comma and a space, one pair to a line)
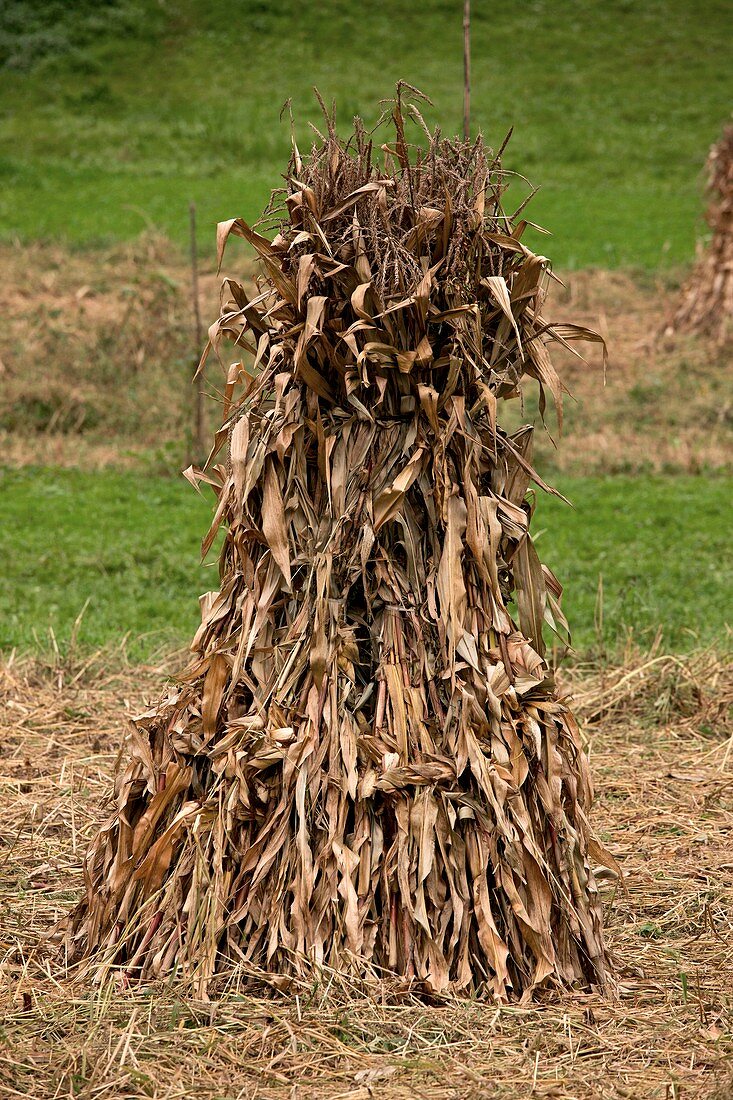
126, 546
113, 117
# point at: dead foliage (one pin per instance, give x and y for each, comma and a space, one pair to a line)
706, 303
665, 801
366, 769
662, 687
113, 334
665, 405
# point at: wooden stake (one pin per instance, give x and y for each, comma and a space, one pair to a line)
466, 69
199, 427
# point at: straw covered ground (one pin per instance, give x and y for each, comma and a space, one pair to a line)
120, 322
660, 736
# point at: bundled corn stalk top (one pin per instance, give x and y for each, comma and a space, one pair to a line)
706, 303
366, 767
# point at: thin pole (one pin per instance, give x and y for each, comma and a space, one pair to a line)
198, 430
466, 69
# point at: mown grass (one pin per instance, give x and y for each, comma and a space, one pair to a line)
125, 547
115, 118
121, 548
639, 555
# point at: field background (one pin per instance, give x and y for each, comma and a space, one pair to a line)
114, 116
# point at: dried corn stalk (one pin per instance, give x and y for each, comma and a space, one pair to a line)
366, 766
706, 304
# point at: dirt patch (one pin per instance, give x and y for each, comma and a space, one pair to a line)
667, 402
663, 766
97, 354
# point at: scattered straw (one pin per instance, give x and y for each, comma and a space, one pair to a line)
666, 803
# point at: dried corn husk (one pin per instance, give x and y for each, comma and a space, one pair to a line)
706, 302
366, 766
